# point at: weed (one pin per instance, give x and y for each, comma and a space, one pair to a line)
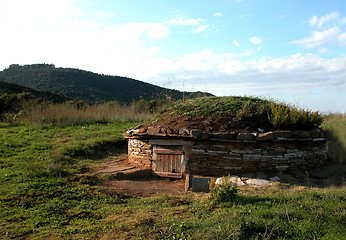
225, 192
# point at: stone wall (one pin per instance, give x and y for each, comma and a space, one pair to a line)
140, 153
220, 158
221, 153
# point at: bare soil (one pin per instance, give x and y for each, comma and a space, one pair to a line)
129, 180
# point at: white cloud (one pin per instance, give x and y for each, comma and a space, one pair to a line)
343, 21
342, 38
320, 21
156, 31
185, 21
218, 14
201, 28
255, 40
332, 31
229, 74
236, 43
319, 38
323, 50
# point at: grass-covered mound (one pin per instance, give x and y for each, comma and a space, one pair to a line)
233, 112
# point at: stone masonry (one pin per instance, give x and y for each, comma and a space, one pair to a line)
220, 153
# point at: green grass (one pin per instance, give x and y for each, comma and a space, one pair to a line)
38, 185
44, 195
214, 106
269, 112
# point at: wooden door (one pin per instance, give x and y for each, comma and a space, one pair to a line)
168, 161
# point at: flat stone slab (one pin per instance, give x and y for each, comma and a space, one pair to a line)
258, 182
200, 184
233, 179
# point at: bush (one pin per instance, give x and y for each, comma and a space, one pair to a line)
284, 116
223, 193
14, 103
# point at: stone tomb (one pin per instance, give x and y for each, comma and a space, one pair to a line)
217, 154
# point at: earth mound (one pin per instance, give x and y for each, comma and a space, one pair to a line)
234, 114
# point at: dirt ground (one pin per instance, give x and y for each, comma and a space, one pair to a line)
127, 179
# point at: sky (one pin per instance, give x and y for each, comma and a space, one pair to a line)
288, 50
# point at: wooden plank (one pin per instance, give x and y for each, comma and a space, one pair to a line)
168, 151
168, 163
170, 175
159, 164
171, 161
178, 164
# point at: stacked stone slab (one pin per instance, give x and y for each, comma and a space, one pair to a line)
216, 154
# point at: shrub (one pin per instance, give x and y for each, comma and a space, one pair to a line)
284, 116
223, 193
11, 104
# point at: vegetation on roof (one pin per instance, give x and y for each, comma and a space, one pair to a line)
277, 114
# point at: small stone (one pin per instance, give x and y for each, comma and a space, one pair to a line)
229, 136
319, 139
265, 136
281, 134
246, 136
260, 130
142, 130
275, 179
303, 134
153, 130
184, 132
195, 133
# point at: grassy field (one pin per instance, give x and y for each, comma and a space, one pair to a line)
44, 194
39, 165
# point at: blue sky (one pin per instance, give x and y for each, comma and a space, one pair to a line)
289, 50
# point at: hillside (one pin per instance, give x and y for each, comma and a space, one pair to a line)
87, 86
11, 88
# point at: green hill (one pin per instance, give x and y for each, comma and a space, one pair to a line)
87, 86
11, 88
15, 98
